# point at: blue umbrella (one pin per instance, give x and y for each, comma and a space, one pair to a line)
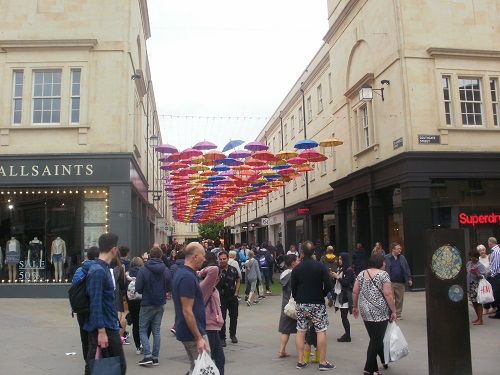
230, 161
220, 168
279, 167
232, 144
305, 144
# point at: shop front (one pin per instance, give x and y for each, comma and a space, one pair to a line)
399, 199
53, 208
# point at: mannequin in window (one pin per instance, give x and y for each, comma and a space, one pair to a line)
1, 258
58, 257
12, 255
35, 257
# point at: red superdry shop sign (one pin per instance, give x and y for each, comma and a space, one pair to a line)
473, 219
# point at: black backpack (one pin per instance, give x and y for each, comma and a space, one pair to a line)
78, 298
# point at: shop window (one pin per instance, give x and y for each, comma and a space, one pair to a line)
75, 96
54, 227
17, 96
471, 105
47, 97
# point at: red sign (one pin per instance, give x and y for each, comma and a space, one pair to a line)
474, 219
302, 210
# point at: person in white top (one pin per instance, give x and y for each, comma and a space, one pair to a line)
488, 308
293, 251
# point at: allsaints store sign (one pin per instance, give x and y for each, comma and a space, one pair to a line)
81, 169
46, 170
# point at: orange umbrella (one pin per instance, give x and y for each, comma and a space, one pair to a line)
263, 155
214, 155
254, 162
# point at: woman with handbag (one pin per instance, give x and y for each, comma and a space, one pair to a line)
343, 293
373, 291
475, 272
287, 325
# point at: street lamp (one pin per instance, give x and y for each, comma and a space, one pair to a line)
366, 91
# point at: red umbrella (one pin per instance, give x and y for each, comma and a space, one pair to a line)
297, 160
264, 155
190, 152
254, 162
176, 156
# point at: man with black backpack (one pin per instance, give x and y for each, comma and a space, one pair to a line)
102, 322
81, 315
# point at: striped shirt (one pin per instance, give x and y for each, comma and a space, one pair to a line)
495, 261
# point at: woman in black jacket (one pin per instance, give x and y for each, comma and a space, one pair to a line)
343, 293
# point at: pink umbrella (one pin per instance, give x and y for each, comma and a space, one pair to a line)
205, 145
189, 152
256, 146
238, 154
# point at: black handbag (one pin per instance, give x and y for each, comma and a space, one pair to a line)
106, 365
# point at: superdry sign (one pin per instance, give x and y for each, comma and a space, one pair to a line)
474, 219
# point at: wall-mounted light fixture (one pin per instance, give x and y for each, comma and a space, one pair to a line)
153, 140
135, 76
366, 91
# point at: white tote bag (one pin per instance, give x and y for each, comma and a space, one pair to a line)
290, 309
204, 365
484, 292
395, 345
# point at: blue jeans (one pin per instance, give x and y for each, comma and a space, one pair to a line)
216, 350
266, 275
150, 315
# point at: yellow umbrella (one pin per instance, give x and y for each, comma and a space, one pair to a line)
286, 154
330, 142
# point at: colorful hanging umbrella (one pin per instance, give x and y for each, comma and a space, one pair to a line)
331, 142
166, 149
232, 144
231, 162
297, 160
256, 146
239, 154
306, 144
220, 168
305, 168
189, 152
264, 155
205, 145
286, 154
214, 155
176, 156
254, 162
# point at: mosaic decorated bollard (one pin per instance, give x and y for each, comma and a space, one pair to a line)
448, 337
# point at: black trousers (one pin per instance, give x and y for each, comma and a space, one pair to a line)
376, 331
495, 284
216, 350
134, 308
84, 335
115, 348
229, 304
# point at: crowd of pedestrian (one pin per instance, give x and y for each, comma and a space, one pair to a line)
204, 280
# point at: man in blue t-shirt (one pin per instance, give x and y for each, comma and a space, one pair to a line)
189, 306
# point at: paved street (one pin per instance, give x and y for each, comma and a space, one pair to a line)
37, 334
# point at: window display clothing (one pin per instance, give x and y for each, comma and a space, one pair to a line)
58, 257
35, 258
12, 255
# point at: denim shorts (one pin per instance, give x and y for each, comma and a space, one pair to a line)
312, 312
57, 258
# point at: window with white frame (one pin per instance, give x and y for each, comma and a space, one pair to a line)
280, 141
285, 133
47, 97
365, 125
323, 163
274, 145
75, 96
301, 119
494, 99
447, 100
292, 127
471, 104
17, 97
287, 187
309, 109
303, 178
330, 88
313, 172
320, 98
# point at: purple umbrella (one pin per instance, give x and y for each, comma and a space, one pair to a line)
205, 145
166, 149
256, 146
239, 154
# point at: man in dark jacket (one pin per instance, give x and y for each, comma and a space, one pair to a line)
398, 269
311, 282
359, 259
153, 281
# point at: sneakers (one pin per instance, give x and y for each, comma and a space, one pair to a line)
256, 302
138, 351
262, 297
326, 367
344, 338
126, 335
146, 361
248, 303
268, 292
126, 342
239, 298
155, 362
300, 366
173, 329
234, 340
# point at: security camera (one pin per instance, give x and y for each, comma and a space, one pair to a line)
385, 82
136, 76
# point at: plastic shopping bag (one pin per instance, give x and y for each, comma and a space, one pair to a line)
395, 345
484, 292
205, 366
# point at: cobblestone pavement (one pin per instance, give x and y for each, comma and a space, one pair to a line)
38, 334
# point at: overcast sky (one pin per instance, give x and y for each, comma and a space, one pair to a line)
220, 68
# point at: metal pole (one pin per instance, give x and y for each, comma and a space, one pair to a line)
306, 231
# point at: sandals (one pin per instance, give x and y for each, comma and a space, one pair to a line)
283, 355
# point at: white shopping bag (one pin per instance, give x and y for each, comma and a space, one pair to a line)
204, 365
484, 292
395, 345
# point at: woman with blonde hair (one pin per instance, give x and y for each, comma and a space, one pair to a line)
252, 274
